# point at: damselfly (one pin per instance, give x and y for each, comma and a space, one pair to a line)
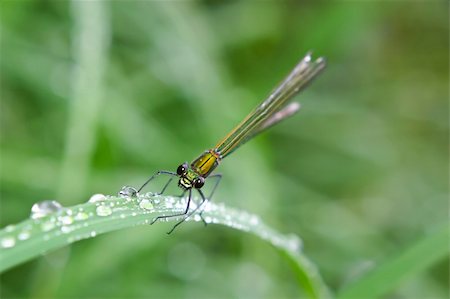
270, 112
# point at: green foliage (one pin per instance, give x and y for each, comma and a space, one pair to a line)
99, 94
64, 226
413, 260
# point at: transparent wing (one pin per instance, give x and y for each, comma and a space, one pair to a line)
263, 116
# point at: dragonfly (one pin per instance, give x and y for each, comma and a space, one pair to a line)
271, 111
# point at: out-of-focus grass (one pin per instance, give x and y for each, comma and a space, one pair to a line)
360, 173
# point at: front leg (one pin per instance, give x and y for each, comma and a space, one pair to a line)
172, 174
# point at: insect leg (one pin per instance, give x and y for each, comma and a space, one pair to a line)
190, 214
176, 215
172, 174
218, 178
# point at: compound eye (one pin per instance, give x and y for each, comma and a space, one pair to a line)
182, 169
199, 182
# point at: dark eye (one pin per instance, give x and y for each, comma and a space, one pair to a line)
182, 169
199, 182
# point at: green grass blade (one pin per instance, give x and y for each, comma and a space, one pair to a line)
34, 237
419, 256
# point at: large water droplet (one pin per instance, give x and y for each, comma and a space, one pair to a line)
103, 211
97, 197
8, 242
43, 208
127, 192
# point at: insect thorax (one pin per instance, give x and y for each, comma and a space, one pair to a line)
206, 163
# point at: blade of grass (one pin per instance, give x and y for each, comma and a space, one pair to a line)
414, 259
33, 237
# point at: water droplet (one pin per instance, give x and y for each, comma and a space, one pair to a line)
93, 233
81, 216
24, 235
66, 229
294, 243
65, 220
156, 200
103, 211
44, 208
8, 242
197, 217
146, 204
48, 225
97, 197
10, 228
127, 192
254, 220
208, 219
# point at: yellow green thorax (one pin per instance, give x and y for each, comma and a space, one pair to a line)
200, 167
187, 180
206, 163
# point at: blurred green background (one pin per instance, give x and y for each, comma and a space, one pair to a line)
97, 95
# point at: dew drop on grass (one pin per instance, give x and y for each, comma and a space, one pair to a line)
93, 233
81, 216
24, 235
146, 204
127, 192
169, 203
48, 225
254, 220
294, 243
103, 211
97, 197
66, 229
44, 208
9, 228
65, 220
8, 242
